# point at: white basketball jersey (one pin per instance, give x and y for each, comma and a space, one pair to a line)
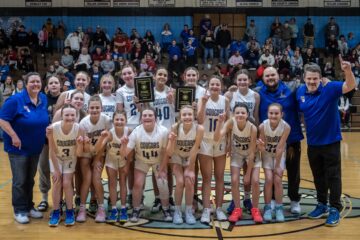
199, 92
86, 98
165, 112
248, 99
125, 95
212, 111
148, 146
108, 105
273, 136
240, 139
113, 147
65, 143
93, 131
185, 141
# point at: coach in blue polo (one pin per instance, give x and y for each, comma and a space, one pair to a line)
319, 103
274, 90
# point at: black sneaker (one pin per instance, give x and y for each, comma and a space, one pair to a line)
156, 206
167, 215
93, 206
172, 203
43, 206
129, 201
135, 216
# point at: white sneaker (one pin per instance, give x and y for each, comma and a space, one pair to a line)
177, 219
189, 217
295, 207
21, 218
35, 214
220, 215
205, 217
272, 204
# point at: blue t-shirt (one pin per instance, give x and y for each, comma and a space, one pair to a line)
286, 98
321, 113
28, 121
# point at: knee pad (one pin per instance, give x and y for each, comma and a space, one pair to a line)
162, 185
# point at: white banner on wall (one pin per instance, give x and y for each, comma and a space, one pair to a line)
213, 3
337, 3
38, 3
249, 3
161, 3
284, 3
126, 3
97, 3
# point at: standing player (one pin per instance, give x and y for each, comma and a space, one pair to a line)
183, 146
272, 143
149, 141
65, 144
93, 125
243, 149
319, 103
209, 108
115, 164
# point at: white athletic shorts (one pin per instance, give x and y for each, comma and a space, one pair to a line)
183, 161
268, 161
238, 160
64, 166
211, 148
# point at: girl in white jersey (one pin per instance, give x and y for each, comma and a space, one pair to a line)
77, 101
241, 93
108, 100
65, 143
81, 81
93, 125
165, 113
149, 141
272, 143
243, 148
191, 78
209, 108
184, 142
115, 164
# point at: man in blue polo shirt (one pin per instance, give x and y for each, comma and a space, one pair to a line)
319, 103
275, 91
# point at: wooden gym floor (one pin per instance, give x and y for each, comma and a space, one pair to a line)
151, 227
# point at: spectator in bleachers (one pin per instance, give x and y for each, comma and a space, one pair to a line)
43, 36
236, 59
260, 70
134, 37
267, 57
67, 60
356, 71
149, 37
98, 55
357, 49
73, 41
332, 47
123, 43
21, 38
33, 40
86, 38
308, 33
268, 45
137, 53
205, 24
166, 36
239, 46
19, 86
60, 36
151, 63
25, 61
286, 35
12, 58
275, 28
343, 46
309, 56
251, 31
251, 57
176, 68
174, 49
332, 28
184, 33
344, 111
50, 72
84, 61
4, 69
208, 42
351, 40
284, 63
99, 39
58, 68
223, 41
329, 71
253, 42
95, 74
295, 31
352, 57
150, 50
193, 38
50, 29
4, 40
296, 64
191, 54
107, 65
7, 88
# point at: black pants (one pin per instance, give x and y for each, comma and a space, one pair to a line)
325, 164
293, 153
